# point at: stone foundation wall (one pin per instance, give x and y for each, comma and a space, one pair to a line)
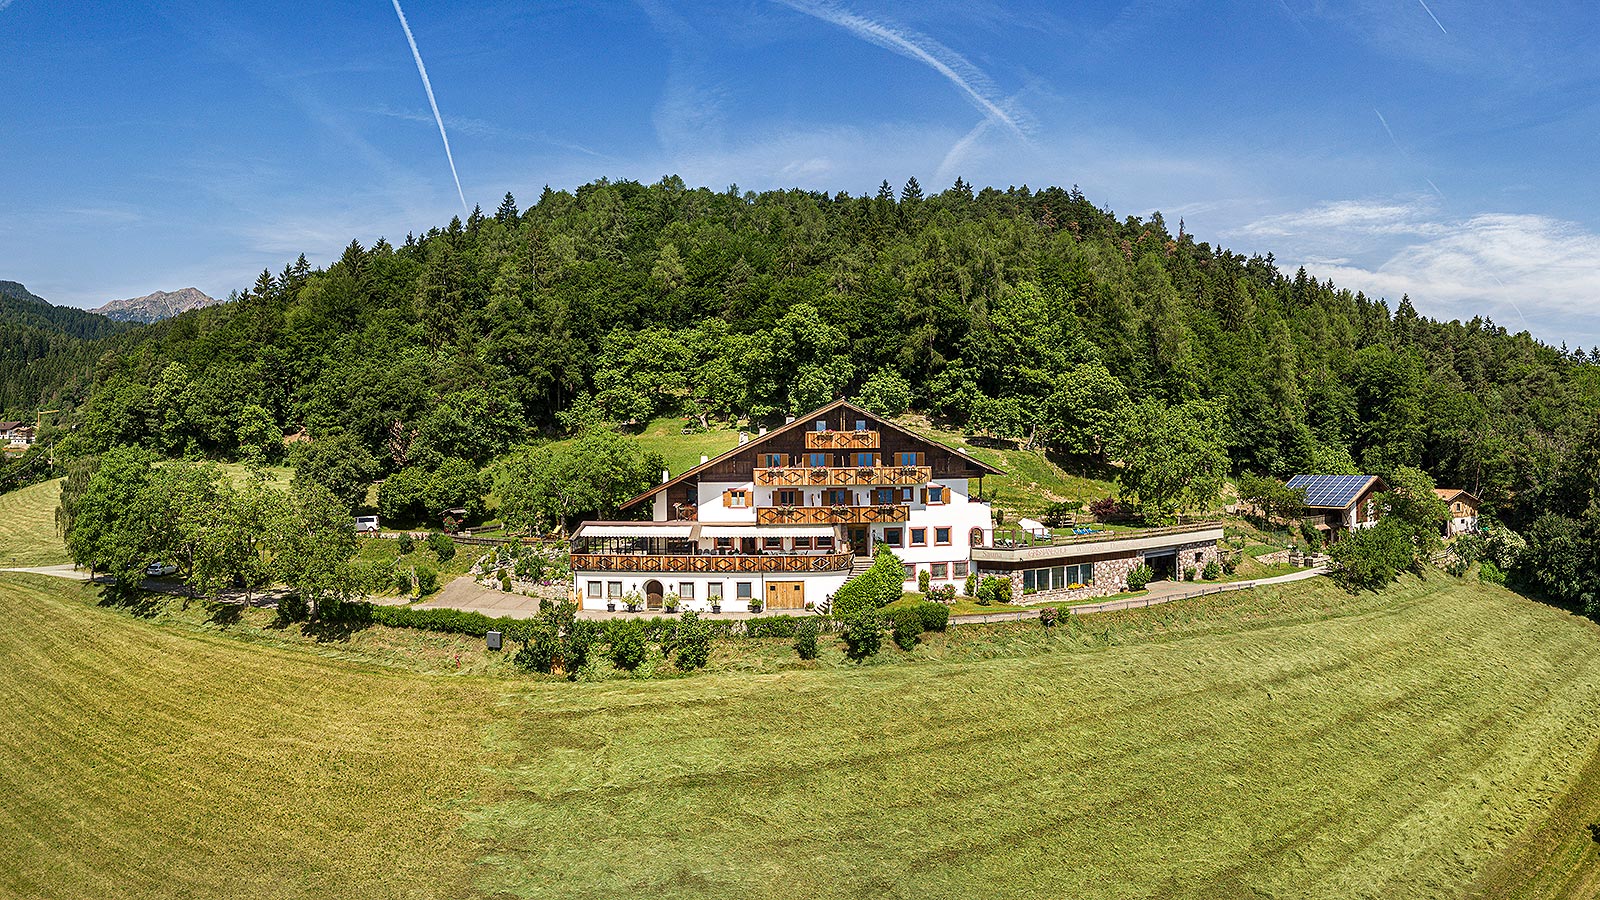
1111, 575
1186, 557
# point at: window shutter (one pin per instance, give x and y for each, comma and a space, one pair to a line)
727, 499
922, 459
924, 496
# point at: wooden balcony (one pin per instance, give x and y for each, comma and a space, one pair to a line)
842, 476
841, 440
831, 515
714, 564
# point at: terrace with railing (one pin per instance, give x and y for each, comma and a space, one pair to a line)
842, 440
832, 515
829, 476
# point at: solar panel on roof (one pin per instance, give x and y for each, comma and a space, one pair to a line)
1330, 491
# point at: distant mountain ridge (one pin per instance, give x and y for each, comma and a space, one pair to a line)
157, 306
22, 308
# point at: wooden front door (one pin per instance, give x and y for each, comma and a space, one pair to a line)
786, 595
652, 594
858, 540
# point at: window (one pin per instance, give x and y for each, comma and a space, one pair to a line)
802, 543
714, 592
1057, 578
905, 495
825, 542
838, 497
861, 424
594, 589
686, 590
1198, 556
819, 459
908, 458
940, 570
772, 543
788, 498
959, 569
613, 589
774, 460
883, 496
941, 536
919, 537
738, 499
911, 572
864, 458
893, 536
936, 494
821, 425
724, 543
742, 590
976, 537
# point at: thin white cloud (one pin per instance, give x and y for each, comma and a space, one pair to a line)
427, 87
952, 65
1432, 16
1538, 270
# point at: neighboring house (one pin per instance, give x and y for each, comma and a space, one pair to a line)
16, 437
1339, 503
788, 516
1463, 511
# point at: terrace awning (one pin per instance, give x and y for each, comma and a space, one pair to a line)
639, 530
787, 531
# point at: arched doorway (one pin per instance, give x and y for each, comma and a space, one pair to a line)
652, 594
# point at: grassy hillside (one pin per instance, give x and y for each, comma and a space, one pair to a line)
28, 526
1437, 740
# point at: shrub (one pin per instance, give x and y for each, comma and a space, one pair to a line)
628, 647
1060, 513
1371, 557
970, 587
1188, 573
924, 581
1140, 576
1048, 616
873, 589
693, 643
994, 589
402, 580
1490, 573
670, 603
505, 582
1111, 510
293, 608
863, 636
1230, 565
1310, 535
905, 625
935, 616
442, 546
1455, 567
773, 626
1213, 571
406, 543
805, 638
427, 581
756, 605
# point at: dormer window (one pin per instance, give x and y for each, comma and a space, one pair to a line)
822, 425
861, 424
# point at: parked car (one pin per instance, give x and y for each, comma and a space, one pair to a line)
367, 524
158, 569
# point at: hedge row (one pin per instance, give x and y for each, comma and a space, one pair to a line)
656, 629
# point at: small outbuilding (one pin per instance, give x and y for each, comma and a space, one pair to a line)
1339, 503
1463, 511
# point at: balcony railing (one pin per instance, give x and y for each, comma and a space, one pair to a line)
712, 563
841, 440
831, 515
829, 476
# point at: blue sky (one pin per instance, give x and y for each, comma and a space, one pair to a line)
1446, 150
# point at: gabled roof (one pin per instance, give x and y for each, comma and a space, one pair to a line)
1450, 495
1333, 491
7, 426
800, 423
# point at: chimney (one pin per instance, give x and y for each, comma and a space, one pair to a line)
705, 459
788, 420
665, 476
763, 429
744, 438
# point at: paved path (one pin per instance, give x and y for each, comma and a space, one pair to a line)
67, 570
1159, 593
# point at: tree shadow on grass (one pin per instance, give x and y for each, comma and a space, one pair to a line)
226, 614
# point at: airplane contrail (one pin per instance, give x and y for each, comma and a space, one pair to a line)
1387, 129
427, 86
1432, 16
952, 65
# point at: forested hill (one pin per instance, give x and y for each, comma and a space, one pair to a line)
1014, 313
44, 354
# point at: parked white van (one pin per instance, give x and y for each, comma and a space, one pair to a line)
367, 524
